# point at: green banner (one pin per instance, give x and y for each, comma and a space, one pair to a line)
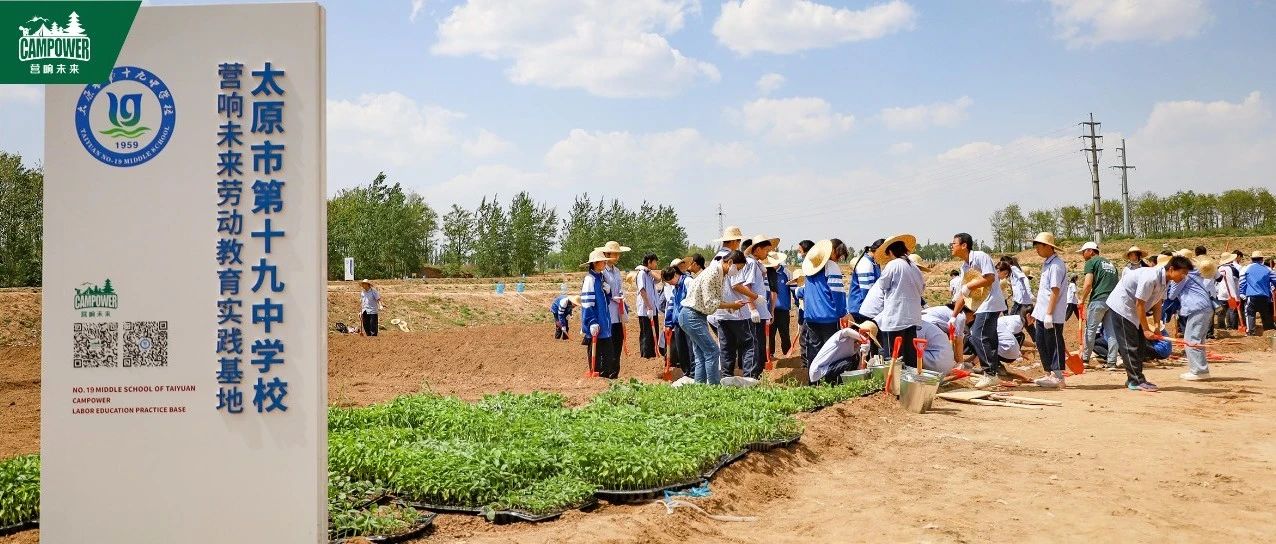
60, 41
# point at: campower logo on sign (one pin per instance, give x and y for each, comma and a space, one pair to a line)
62, 41
45, 39
90, 296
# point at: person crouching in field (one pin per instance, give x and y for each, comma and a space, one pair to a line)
678, 348
1139, 293
646, 306
704, 297
369, 306
1196, 310
595, 317
562, 310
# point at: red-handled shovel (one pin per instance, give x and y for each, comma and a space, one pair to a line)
623, 344
770, 362
919, 344
593, 358
668, 375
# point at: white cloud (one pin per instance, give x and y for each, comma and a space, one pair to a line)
614, 49
901, 148
1092, 22
487, 180
417, 6
793, 120
943, 114
972, 149
29, 94
486, 144
787, 26
389, 128
1169, 149
768, 83
654, 159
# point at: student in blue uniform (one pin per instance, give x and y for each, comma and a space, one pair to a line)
754, 282
782, 296
615, 280
824, 298
679, 350
595, 318
562, 310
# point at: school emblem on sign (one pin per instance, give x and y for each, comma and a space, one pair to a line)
128, 120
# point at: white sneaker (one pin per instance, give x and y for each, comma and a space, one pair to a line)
1194, 377
1048, 382
988, 381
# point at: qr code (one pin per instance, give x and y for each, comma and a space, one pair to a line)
145, 343
96, 345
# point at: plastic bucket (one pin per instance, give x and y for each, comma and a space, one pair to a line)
917, 392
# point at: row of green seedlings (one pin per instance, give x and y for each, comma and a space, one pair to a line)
531, 453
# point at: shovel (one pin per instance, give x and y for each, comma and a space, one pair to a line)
1073, 362
890, 370
655, 335
623, 345
919, 344
593, 358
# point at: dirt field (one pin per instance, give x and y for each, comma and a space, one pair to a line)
1194, 463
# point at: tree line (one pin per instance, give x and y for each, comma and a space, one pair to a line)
1184, 213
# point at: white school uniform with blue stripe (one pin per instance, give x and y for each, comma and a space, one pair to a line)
616, 285
754, 277
643, 279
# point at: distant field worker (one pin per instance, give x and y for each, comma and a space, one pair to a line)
1073, 301
561, 308
1258, 285
595, 317
704, 297
369, 306
646, 305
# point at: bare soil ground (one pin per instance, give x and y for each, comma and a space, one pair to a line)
1194, 463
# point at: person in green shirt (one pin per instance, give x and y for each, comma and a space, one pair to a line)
1100, 279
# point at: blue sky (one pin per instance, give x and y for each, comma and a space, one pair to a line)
803, 119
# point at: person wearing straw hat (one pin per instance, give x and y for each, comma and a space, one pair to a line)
595, 318
1227, 293
941, 316
1258, 286
1050, 311
731, 239
646, 306
1134, 259
782, 305
823, 297
1196, 308
1134, 304
616, 291
561, 308
899, 295
704, 297
839, 354
1100, 279
369, 306
980, 276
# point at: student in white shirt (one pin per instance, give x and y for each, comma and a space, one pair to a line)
983, 332
1049, 311
369, 306
616, 290
646, 306
1073, 302
900, 288
1020, 285
954, 285
1140, 292
1228, 293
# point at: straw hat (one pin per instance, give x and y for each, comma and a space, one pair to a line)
748, 242
1134, 249
612, 247
630, 275
774, 258
1226, 258
595, 256
675, 262
1185, 253
1162, 260
1046, 238
817, 257
798, 279
917, 260
1207, 266
909, 240
977, 295
869, 329
1088, 245
731, 233
365, 281
574, 299
1256, 255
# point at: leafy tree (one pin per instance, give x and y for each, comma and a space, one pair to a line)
21, 222
491, 248
458, 233
385, 229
